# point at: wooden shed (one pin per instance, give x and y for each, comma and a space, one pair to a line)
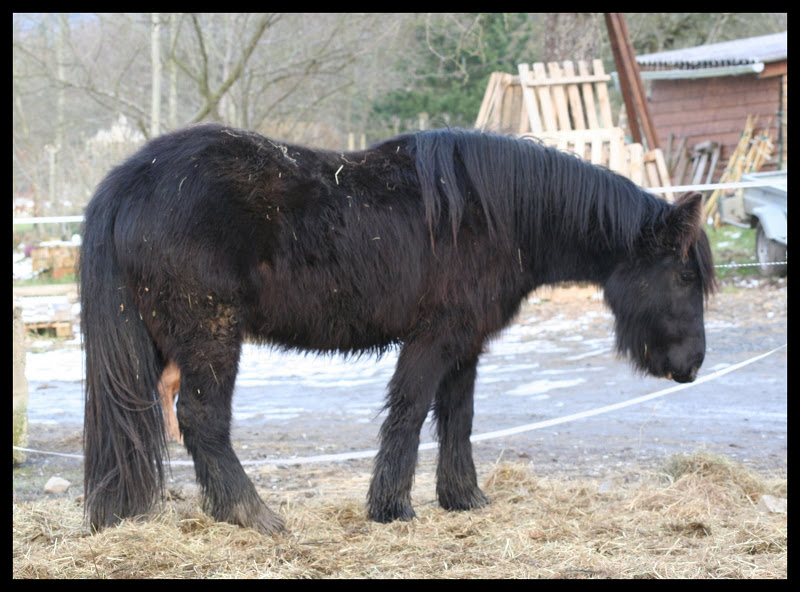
705, 93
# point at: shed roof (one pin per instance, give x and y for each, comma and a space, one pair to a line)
752, 50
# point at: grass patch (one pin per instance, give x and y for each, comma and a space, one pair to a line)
46, 280
731, 244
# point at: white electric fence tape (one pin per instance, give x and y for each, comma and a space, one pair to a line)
343, 456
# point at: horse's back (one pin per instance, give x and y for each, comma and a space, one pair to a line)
309, 255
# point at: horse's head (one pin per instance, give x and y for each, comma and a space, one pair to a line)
657, 296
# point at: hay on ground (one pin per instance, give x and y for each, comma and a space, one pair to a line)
696, 519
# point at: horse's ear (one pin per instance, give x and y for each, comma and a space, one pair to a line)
685, 222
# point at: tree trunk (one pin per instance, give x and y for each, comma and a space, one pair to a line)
172, 116
56, 199
155, 57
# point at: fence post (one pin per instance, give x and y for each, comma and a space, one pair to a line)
423, 120
20, 390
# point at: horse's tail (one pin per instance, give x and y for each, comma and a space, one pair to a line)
123, 424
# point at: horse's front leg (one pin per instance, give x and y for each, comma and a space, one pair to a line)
411, 390
456, 480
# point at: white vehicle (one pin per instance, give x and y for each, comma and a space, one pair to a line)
762, 208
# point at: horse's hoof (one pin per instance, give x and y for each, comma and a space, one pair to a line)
386, 515
471, 501
266, 522
269, 525
250, 513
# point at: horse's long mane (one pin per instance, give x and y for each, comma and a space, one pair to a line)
537, 195
526, 188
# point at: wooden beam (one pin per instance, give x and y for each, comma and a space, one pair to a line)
559, 95
639, 118
587, 90
488, 97
545, 99
575, 106
622, 70
602, 97
529, 100
570, 79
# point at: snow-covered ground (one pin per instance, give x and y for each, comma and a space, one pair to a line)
23, 266
279, 384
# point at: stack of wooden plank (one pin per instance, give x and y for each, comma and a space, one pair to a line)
548, 99
752, 151
57, 258
692, 167
567, 106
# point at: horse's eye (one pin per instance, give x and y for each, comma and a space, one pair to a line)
687, 277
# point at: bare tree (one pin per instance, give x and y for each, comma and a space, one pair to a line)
92, 83
279, 73
658, 31
210, 92
572, 36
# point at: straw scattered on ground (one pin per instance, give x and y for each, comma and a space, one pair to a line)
695, 518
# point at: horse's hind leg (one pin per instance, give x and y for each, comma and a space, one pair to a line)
208, 372
456, 480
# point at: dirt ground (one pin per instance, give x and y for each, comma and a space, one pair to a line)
757, 308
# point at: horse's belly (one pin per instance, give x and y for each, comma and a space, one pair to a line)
325, 314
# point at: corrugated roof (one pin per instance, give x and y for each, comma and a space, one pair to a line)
765, 48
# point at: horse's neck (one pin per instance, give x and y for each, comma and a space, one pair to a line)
569, 259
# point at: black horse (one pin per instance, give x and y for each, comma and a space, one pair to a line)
428, 241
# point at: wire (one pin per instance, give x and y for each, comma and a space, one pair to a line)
343, 456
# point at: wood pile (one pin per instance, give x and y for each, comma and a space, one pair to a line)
752, 151
692, 167
55, 258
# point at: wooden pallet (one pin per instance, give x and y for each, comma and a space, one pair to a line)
51, 328
570, 111
549, 98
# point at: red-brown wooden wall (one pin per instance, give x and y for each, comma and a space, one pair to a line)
717, 109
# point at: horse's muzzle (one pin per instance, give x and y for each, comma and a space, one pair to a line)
689, 373
685, 376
